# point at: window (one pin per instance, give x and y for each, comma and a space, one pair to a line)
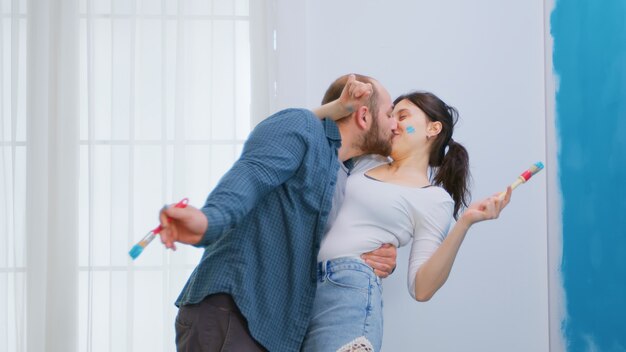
164, 111
164, 98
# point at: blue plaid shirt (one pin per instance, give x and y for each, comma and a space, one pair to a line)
266, 219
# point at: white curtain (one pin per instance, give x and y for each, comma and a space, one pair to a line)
109, 109
13, 261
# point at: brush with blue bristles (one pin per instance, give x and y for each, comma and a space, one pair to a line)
145, 241
525, 176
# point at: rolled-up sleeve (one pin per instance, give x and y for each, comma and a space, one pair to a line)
271, 155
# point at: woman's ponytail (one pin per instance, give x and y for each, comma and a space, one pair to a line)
452, 173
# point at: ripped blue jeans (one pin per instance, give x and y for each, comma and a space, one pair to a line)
348, 305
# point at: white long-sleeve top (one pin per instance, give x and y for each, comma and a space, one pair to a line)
375, 212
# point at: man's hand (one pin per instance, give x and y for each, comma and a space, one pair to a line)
382, 260
185, 225
354, 94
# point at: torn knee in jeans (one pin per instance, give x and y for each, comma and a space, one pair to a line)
360, 344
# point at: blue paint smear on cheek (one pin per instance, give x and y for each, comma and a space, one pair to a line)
590, 65
410, 129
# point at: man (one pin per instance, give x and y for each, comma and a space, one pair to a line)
262, 225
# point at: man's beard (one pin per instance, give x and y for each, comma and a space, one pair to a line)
374, 143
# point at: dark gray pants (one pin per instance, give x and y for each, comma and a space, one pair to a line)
215, 324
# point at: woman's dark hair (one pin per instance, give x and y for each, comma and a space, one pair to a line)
451, 167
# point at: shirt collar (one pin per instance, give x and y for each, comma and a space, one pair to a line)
332, 132
334, 138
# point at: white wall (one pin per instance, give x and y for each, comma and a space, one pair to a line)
556, 298
487, 59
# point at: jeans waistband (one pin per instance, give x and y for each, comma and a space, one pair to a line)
344, 263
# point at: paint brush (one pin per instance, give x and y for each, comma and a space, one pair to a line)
145, 241
525, 176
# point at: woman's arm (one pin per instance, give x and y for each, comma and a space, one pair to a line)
435, 271
353, 95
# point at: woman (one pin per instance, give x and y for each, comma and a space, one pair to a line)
393, 202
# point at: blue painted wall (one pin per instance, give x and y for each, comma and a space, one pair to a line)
590, 64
